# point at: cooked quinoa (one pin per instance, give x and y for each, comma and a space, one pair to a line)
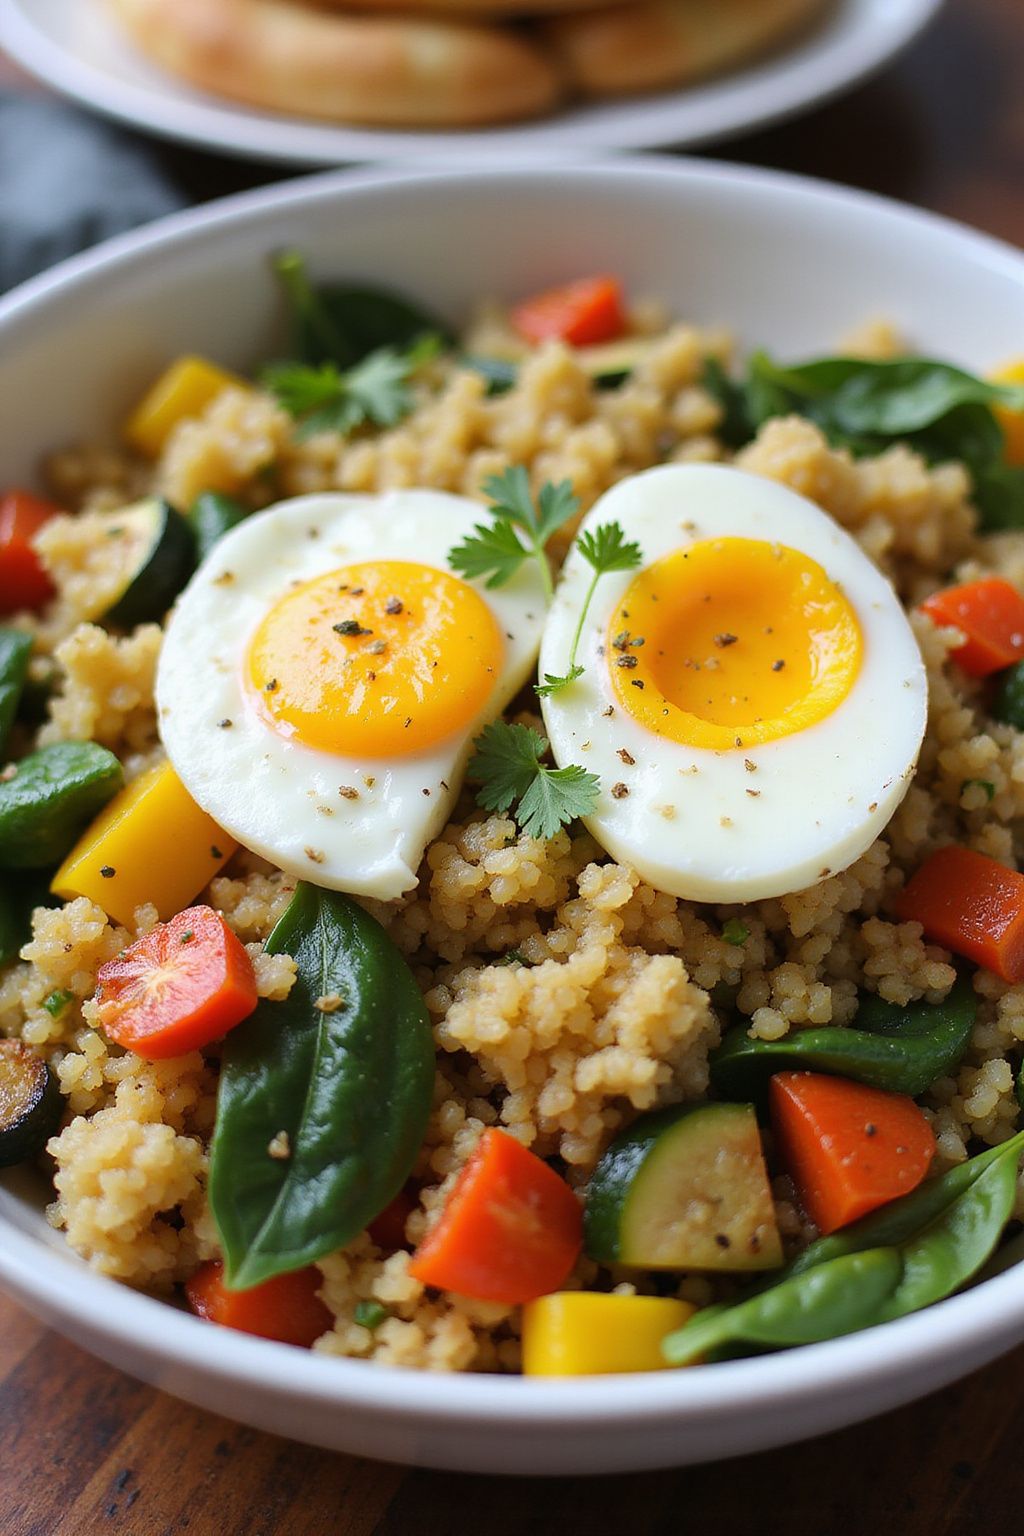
566, 994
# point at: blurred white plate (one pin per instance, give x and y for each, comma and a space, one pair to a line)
74, 46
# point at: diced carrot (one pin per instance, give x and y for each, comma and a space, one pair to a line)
511, 1229
971, 905
990, 613
582, 313
23, 581
847, 1148
178, 987
286, 1308
388, 1229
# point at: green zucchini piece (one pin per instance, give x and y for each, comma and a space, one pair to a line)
50, 797
15, 649
31, 1103
211, 516
684, 1188
155, 550
1008, 701
903, 1050
350, 1085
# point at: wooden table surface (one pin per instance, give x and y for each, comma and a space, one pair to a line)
84, 1449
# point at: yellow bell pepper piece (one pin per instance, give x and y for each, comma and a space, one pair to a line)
584, 1333
152, 843
1012, 422
185, 389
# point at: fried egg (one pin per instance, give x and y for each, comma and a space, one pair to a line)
753, 699
324, 674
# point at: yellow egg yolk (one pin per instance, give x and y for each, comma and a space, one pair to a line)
731, 643
381, 659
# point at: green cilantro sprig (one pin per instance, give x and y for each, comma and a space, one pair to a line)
507, 766
520, 530
605, 549
326, 399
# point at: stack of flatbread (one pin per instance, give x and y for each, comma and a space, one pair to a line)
448, 63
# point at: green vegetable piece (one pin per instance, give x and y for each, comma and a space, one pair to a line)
41, 683
736, 426
31, 1103
50, 797
370, 1314
684, 1188
911, 1253
15, 649
735, 932
499, 373
507, 767
211, 516
903, 1050
155, 550
1008, 702
351, 1087
941, 411
19, 897
57, 1001
342, 323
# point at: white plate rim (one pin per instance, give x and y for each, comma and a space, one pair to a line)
982, 1320
762, 93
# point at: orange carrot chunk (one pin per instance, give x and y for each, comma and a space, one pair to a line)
178, 987
991, 615
511, 1229
582, 313
971, 905
286, 1308
847, 1148
23, 581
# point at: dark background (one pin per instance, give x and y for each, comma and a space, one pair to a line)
86, 1450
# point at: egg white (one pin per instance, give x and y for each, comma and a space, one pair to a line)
689, 822
277, 796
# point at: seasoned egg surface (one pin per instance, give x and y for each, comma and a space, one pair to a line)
323, 676
753, 698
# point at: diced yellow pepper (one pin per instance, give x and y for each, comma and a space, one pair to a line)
152, 843
585, 1333
1012, 422
184, 389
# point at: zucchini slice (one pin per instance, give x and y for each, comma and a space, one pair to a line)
154, 549
685, 1188
31, 1103
49, 797
210, 517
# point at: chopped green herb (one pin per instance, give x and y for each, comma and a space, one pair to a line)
497, 551
605, 549
370, 1314
375, 391
57, 1002
735, 932
513, 957
985, 784
507, 766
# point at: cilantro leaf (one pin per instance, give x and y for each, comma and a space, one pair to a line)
495, 552
605, 549
507, 766
498, 551
376, 390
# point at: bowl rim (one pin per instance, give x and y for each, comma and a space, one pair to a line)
987, 1317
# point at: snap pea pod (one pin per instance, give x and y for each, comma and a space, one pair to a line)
902, 1050
916, 1251
15, 649
211, 516
323, 1098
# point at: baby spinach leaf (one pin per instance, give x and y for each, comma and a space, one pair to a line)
48, 799
345, 1068
15, 649
19, 897
342, 323
903, 1050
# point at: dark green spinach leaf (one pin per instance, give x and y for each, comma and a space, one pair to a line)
345, 1068
15, 649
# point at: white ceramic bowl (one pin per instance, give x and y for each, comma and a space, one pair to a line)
787, 263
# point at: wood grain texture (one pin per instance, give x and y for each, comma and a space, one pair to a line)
85, 1450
